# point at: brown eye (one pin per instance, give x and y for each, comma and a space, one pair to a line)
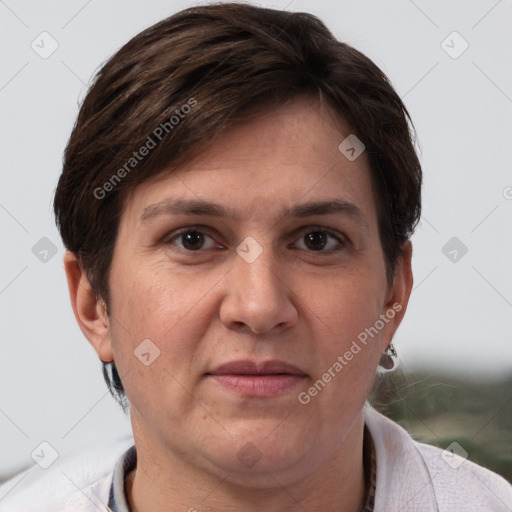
320, 240
315, 240
192, 240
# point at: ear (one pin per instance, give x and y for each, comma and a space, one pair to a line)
90, 311
399, 292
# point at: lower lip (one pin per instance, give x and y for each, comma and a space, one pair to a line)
259, 385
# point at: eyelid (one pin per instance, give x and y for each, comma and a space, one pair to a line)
169, 237
206, 230
332, 232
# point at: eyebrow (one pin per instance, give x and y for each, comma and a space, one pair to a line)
185, 207
199, 207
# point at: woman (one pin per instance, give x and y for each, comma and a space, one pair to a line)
237, 201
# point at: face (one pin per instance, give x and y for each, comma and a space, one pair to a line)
256, 276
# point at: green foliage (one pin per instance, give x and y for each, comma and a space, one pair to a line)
439, 409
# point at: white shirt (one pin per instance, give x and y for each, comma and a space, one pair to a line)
411, 477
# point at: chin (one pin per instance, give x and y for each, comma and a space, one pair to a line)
259, 449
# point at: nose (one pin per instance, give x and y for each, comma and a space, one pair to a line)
258, 298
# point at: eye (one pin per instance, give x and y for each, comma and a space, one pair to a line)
318, 239
191, 239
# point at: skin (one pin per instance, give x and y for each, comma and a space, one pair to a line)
208, 306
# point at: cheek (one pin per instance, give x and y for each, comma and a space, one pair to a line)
153, 299
347, 305
348, 345
345, 358
166, 308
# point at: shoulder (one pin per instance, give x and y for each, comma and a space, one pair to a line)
413, 475
457, 480
80, 483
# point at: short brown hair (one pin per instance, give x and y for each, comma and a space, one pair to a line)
178, 84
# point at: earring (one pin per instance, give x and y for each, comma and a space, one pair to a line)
388, 360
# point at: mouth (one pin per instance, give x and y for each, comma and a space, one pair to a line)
264, 379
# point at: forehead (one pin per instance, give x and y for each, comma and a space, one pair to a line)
265, 165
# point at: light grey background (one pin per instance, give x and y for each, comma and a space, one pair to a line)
459, 314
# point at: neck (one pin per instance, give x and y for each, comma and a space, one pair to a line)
169, 483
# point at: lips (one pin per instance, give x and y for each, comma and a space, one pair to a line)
257, 379
273, 367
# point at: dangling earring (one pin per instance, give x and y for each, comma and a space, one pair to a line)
388, 360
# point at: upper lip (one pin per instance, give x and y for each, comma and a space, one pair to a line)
248, 367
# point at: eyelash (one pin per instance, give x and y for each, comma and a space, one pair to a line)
341, 239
